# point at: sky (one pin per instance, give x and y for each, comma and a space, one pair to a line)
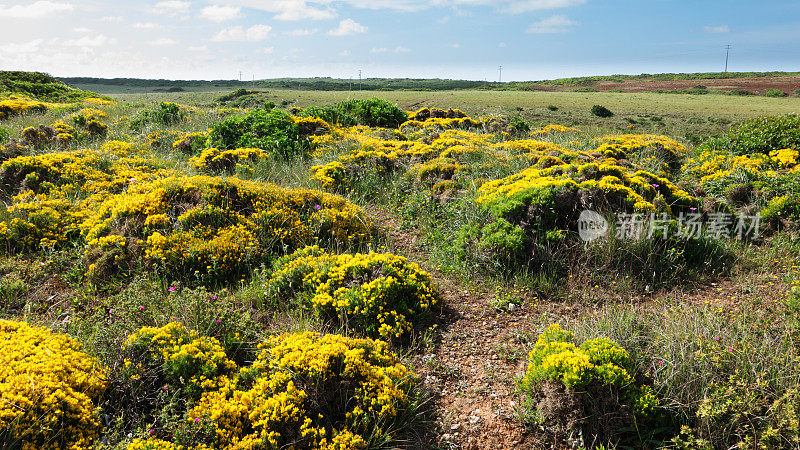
457, 39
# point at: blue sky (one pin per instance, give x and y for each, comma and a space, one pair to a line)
466, 39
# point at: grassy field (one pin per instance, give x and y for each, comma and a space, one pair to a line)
678, 115
451, 241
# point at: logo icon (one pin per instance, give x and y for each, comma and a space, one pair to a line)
591, 225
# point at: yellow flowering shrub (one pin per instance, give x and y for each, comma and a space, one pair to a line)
785, 157
602, 186
98, 101
49, 389
17, 105
57, 192
306, 391
556, 358
376, 294
552, 129
213, 160
659, 154
331, 176
211, 229
576, 386
178, 357
466, 123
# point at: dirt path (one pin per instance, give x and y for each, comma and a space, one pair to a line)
473, 358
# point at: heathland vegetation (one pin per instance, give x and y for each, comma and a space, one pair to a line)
252, 268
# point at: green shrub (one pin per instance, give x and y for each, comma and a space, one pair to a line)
519, 124
372, 112
796, 92
585, 89
697, 90
601, 111
759, 135
552, 107
4, 135
165, 114
740, 92
774, 93
275, 132
234, 95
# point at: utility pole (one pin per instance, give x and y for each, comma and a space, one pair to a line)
240, 75
359, 79
727, 52
500, 80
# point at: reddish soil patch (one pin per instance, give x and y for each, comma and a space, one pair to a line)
756, 85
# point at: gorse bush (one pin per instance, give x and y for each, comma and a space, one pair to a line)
310, 391
303, 389
209, 230
374, 294
185, 359
371, 112
125, 209
49, 390
588, 388
213, 160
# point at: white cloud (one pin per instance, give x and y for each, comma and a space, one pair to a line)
220, 13
401, 49
502, 45
198, 48
379, 50
269, 50
344, 53
454, 45
25, 48
348, 27
35, 10
326, 9
112, 19
88, 42
146, 25
162, 42
239, 34
303, 32
519, 7
82, 30
552, 25
170, 7
721, 29
292, 9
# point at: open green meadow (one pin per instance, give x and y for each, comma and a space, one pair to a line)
398, 269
